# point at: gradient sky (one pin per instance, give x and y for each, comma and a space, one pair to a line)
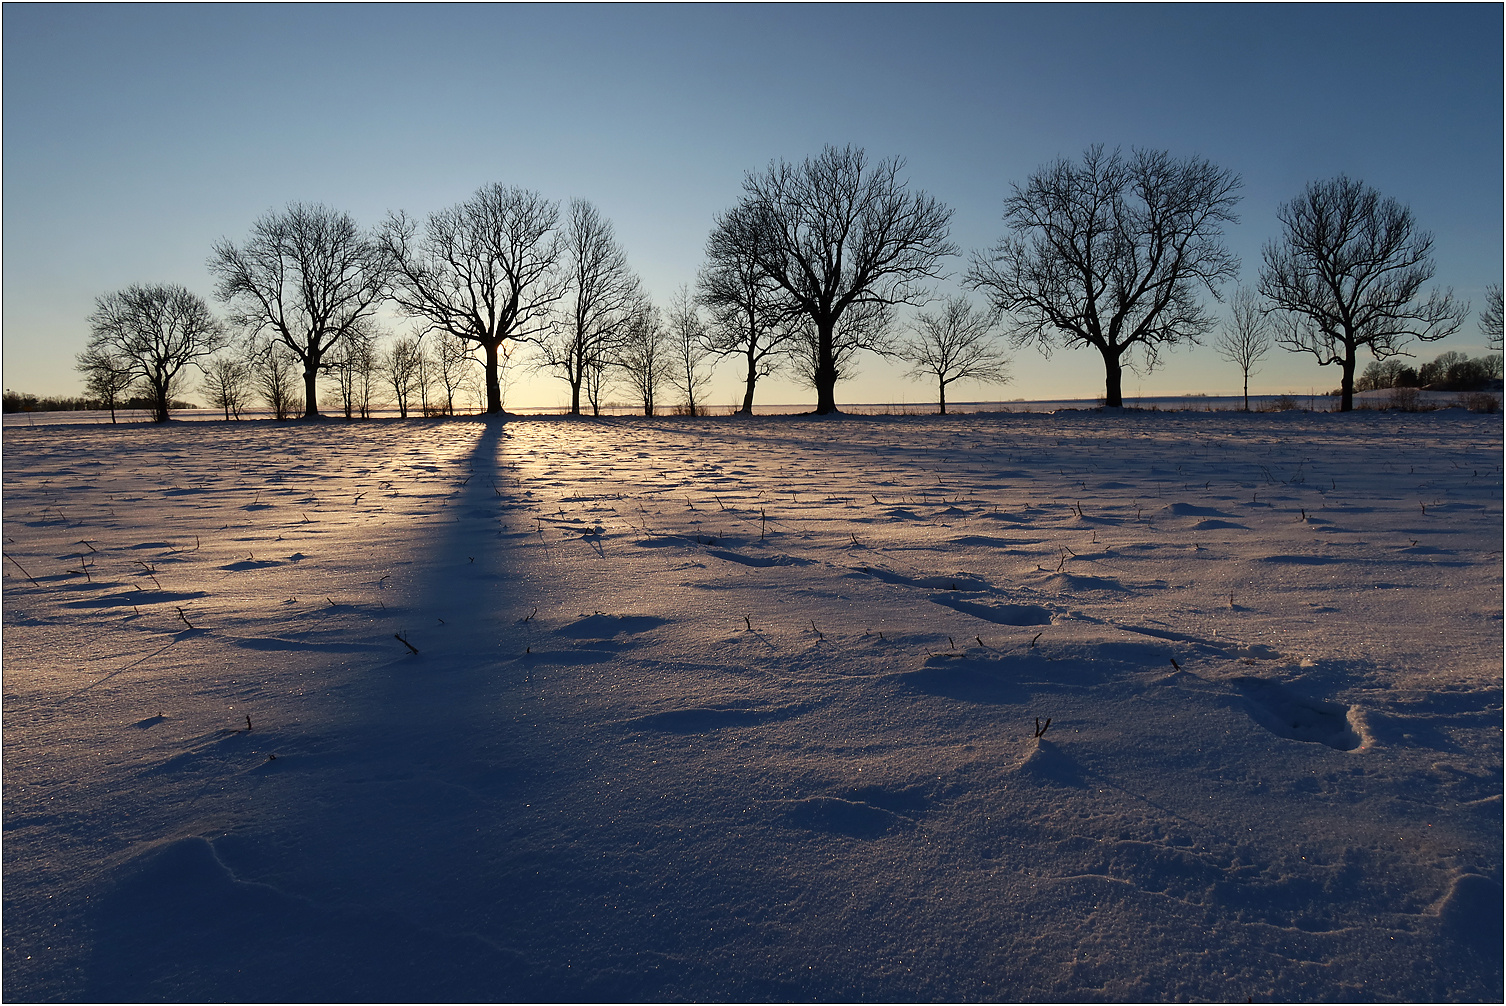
136, 136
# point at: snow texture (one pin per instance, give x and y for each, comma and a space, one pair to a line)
746, 709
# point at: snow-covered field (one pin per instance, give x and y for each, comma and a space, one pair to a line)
746, 709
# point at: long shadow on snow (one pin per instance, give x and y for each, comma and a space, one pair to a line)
450, 841
371, 868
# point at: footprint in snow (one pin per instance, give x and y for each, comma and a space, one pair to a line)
703, 719
761, 561
999, 614
853, 818
1295, 717
962, 582
1190, 510
603, 626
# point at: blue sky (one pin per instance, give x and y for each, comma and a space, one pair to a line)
136, 136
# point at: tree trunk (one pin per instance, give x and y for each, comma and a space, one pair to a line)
493, 381
575, 398
1113, 391
1346, 385
942, 396
826, 370
310, 393
159, 404
1247, 390
747, 409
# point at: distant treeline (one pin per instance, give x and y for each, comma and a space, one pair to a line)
1449, 372
20, 401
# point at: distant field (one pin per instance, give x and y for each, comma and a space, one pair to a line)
1163, 403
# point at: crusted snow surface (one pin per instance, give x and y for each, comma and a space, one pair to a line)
747, 709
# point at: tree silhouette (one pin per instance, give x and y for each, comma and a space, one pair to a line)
307, 277
643, 355
1246, 337
749, 318
1112, 253
1346, 274
107, 376
156, 331
954, 345
836, 235
689, 350
1490, 317
226, 382
484, 271
602, 293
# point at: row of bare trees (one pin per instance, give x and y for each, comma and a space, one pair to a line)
810, 268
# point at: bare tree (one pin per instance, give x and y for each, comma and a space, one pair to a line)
107, 376
602, 293
599, 376
399, 366
227, 384
452, 360
1111, 253
351, 361
955, 345
749, 318
273, 369
837, 234
645, 357
688, 347
157, 331
1246, 337
1346, 274
1490, 317
423, 377
484, 271
307, 277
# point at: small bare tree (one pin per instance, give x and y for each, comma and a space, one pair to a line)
1346, 274
644, 356
749, 318
273, 369
399, 367
157, 331
687, 338
1490, 317
603, 292
1112, 253
307, 277
351, 362
107, 376
1246, 336
227, 385
453, 361
484, 271
956, 344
